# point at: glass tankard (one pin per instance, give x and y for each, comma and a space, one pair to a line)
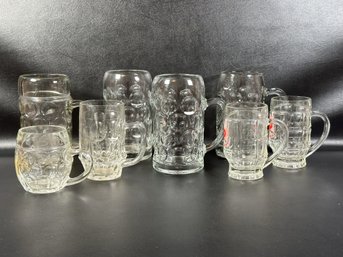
179, 103
44, 99
133, 88
102, 129
246, 139
296, 112
239, 86
44, 157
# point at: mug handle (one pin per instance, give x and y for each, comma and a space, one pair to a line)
142, 131
274, 91
284, 142
325, 133
89, 164
220, 103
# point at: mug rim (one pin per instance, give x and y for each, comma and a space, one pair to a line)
246, 106
126, 70
291, 98
43, 76
33, 129
166, 75
101, 102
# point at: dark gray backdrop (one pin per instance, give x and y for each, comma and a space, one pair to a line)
298, 45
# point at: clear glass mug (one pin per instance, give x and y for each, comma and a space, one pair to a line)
246, 139
44, 157
179, 103
133, 88
296, 112
44, 99
240, 86
102, 130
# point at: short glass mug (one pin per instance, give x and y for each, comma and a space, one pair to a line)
102, 135
240, 86
246, 139
133, 88
296, 112
44, 157
179, 103
44, 99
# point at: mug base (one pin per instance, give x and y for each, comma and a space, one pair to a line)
283, 164
175, 170
105, 174
42, 186
245, 174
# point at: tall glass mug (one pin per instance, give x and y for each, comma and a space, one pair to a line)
239, 86
133, 88
44, 99
44, 157
102, 129
296, 112
179, 103
246, 139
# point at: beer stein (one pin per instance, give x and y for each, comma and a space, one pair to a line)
132, 87
44, 99
239, 86
102, 129
179, 103
246, 139
44, 157
296, 112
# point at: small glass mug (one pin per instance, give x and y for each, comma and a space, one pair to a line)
133, 88
102, 134
44, 157
179, 104
296, 112
240, 86
44, 99
246, 139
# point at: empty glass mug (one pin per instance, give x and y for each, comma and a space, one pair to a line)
44, 99
133, 88
102, 129
246, 139
44, 157
240, 86
296, 112
179, 103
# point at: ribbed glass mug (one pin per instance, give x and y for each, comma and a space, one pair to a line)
179, 103
44, 99
296, 112
133, 88
44, 157
102, 130
246, 139
240, 86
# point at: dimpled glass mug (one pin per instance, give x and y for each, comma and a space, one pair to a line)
179, 103
44, 157
102, 129
44, 99
240, 86
133, 88
246, 139
296, 112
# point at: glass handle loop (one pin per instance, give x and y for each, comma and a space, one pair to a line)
142, 132
220, 103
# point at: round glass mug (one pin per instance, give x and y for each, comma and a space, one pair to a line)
240, 86
296, 112
44, 99
179, 103
44, 157
246, 139
133, 88
102, 129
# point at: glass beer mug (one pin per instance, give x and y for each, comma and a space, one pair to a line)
296, 112
246, 137
179, 103
132, 87
240, 86
44, 99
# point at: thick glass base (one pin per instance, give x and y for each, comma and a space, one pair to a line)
245, 174
176, 169
105, 174
43, 186
219, 152
290, 164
